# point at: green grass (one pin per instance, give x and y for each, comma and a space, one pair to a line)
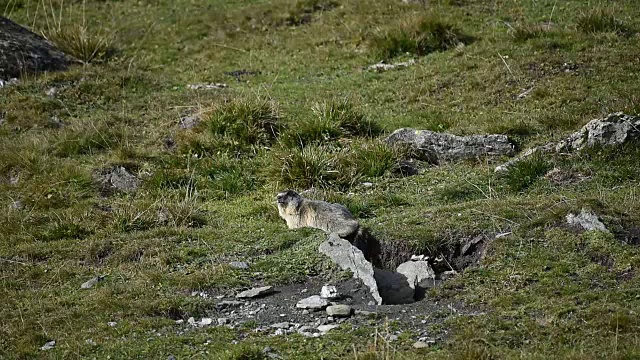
310, 116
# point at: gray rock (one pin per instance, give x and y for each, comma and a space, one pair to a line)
314, 302
22, 51
16, 205
228, 304
348, 257
189, 122
586, 220
222, 321
282, 325
326, 328
191, 321
112, 323
416, 272
49, 345
255, 292
239, 265
614, 129
90, 342
339, 310
91, 282
123, 180
329, 292
420, 345
392, 337
441, 147
366, 313
394, 287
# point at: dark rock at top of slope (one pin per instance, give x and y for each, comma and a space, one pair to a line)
23, 51
437, 147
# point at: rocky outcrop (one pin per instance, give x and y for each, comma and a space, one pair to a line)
437, 147
22, 51
614, 129
349, 257
586, 220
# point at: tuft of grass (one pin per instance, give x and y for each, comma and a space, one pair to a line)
366, 160
601, 21
524, 173
333, 119
246, 122
311, 166
344, 114
524, 32
419, 37
80, 42
310, 131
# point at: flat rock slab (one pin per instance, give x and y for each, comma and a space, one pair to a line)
22, 51
349, 257
437, 147
255, 292
339, 310
314, 302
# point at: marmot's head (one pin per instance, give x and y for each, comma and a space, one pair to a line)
289, 199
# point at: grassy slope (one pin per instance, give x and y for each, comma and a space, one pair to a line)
548, 292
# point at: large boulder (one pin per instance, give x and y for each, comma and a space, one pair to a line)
22, 51
349, 257
437, 147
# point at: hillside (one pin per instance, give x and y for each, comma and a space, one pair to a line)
154, 164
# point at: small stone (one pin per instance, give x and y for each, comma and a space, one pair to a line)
91, 282
189, 122
52, 91
305, 312
112, 323
206, 321
329, 292
327, 328
420, 345
222, 321
367, 184
586, 220
314, 302
256, 292
366, 313
90, 342
171, 357
179, 321
339, 310
16, 205
191, 321
392, 337
239, 265
49, 345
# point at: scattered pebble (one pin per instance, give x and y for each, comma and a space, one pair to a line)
327, 328
222, 321
239, 265
206, 321
48, 346
210, 86
112, 323
420, 345
91, 282
339, 310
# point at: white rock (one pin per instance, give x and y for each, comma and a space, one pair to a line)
339, 310
191, 321
329, 292
586, 220
327, 328
206, 321
416, 272
313, 302
222, 321
48, 346
282, 325
112, 323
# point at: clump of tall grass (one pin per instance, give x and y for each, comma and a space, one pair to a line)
418, 37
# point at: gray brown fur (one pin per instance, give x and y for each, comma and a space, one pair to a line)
299, 212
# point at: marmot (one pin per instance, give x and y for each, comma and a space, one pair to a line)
299, 212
